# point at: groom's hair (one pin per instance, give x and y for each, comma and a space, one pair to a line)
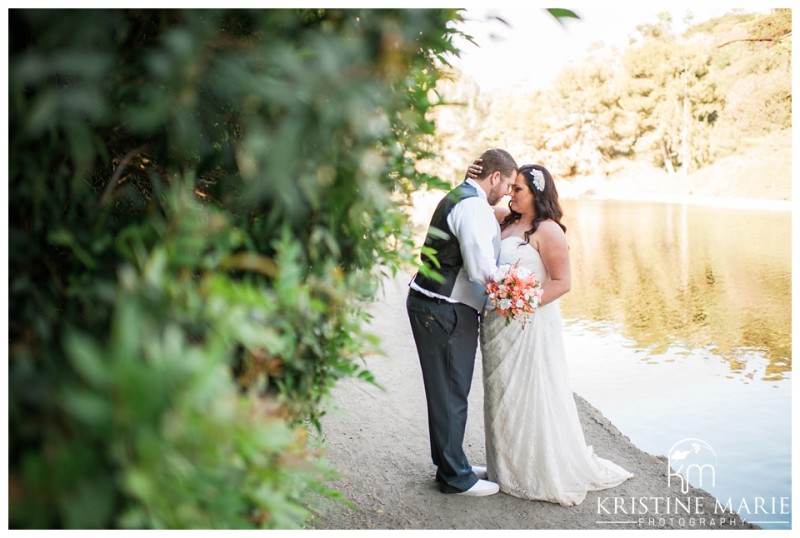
497, 160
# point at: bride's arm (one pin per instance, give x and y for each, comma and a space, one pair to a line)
500, 213
554, 251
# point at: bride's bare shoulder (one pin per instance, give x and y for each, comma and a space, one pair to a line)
549, 230
501, 212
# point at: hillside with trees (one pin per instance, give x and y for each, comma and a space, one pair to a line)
685, 109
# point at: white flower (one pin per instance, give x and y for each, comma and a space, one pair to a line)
504, 304
520, 303
501, 272
538, 179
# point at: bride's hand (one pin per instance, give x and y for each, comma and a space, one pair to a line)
474, 170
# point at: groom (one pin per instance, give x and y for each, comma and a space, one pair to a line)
444, 314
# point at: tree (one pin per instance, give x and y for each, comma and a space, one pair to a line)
589, 128
751, 66
200, 203
668, 91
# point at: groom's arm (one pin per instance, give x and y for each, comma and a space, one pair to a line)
474, 224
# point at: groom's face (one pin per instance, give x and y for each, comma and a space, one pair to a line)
501, 187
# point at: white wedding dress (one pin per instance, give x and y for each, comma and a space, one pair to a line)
535, 448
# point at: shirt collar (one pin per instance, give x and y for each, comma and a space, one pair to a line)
481, 193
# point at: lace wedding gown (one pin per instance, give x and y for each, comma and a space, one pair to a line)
535, 448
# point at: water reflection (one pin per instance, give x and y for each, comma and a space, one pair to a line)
673, 275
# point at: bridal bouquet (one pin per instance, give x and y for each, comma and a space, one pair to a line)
514, 292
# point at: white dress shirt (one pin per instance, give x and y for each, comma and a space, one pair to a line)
473, 222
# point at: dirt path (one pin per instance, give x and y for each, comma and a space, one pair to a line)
378, 439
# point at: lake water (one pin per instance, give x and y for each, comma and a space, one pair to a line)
678, 327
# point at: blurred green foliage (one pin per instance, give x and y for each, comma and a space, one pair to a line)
201, 201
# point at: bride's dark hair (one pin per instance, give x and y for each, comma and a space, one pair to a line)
545, 202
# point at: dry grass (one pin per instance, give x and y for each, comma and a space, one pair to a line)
761, 170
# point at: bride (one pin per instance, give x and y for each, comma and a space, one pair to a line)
535, 448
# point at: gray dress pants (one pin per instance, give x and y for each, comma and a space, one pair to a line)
446, 335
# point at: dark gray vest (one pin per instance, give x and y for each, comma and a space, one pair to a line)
445, 244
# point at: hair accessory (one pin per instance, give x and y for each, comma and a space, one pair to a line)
538, 179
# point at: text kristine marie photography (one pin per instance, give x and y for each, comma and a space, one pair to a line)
693, 461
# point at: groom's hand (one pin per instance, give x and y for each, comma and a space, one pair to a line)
474, 170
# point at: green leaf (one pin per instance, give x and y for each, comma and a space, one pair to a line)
559, 14
90, 504
88, 358
92, 408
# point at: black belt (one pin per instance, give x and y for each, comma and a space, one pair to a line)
414, 293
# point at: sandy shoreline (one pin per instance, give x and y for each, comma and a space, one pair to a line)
377, 438
705, 201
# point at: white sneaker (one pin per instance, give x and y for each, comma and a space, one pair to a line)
482, 488
480, 472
